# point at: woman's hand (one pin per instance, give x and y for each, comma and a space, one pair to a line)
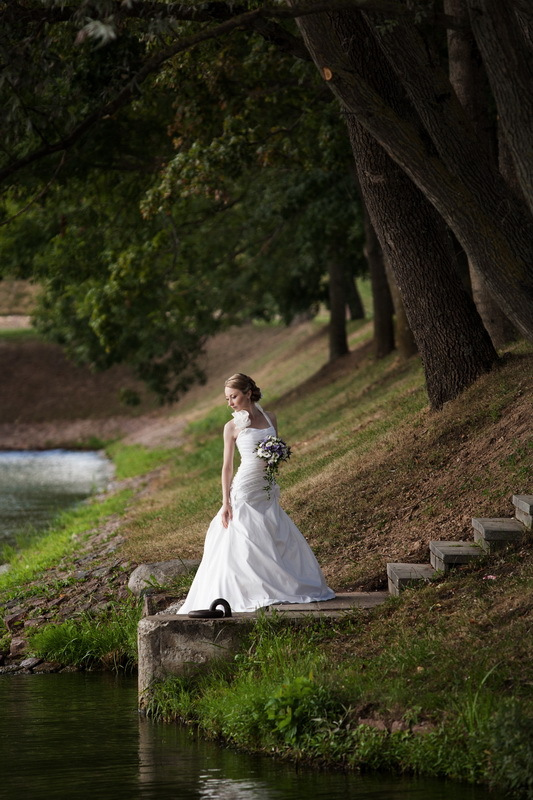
226, 514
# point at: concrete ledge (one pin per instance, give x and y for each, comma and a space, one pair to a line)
498, 529
403, 576
523, 504
170, 644
444, 555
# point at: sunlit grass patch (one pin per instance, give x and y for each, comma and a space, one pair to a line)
105, 641
67, 531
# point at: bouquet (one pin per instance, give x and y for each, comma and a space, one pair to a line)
274, 451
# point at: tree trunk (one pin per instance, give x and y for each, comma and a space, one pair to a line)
338, 340
353, 298
381, 295
500, 245
405, 341
508, 59
453, 344
468, 79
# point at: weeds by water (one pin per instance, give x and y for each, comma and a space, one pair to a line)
106, 641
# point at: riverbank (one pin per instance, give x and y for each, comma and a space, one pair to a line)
420, 684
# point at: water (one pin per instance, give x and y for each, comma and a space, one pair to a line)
35, 485
78, 736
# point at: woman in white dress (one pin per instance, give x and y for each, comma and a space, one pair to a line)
254, 555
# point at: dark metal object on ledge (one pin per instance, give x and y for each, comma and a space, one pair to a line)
213, 612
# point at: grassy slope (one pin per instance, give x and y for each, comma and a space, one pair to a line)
374, 476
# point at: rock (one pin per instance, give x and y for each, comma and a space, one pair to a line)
4, 568
373, 723
18, 647
398, 726
30, 663
9, 668
100, 572
160, 573
47, 666
422, 728
12, 620
34, 622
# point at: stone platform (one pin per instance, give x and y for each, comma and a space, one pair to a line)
171, 644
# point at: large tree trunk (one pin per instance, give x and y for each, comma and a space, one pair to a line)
468, 79
338, 340
500, 244
405, 341
453, 344
381, 296
508, 58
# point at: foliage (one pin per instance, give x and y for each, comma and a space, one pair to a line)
512, 744
243, 196
106, 641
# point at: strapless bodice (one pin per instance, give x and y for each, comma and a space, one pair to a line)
249, 481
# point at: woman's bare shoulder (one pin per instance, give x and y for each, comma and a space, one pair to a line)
230, 431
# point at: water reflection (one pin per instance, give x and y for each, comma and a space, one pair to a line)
79, 737
34, 485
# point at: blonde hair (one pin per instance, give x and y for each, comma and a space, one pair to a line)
245, 384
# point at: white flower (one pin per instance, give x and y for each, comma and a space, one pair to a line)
241, 419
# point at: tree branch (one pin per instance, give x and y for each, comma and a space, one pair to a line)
222, 10
255, 19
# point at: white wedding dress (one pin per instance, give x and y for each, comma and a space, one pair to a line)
261, 558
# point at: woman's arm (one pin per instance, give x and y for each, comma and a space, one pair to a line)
227, 471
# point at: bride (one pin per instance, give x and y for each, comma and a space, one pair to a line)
254, 555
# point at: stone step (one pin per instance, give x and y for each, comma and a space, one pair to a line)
445, 555
523, 504
403, 576
491, 534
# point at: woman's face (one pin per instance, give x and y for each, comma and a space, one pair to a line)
236, 399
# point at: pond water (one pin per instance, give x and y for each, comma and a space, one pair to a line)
34, 485
78, 736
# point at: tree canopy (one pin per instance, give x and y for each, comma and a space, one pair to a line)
186, 164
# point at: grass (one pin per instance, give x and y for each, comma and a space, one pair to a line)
436, 682
133, 460
285, 694
48, 548
107, 641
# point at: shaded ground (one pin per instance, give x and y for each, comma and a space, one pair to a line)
48, 401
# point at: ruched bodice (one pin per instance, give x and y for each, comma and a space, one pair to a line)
261, 558
249, 482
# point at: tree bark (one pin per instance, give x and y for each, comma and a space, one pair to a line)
353, 298
508, 58
468, 79
453, 344
338, 340
381, 295
498, 243
403, 335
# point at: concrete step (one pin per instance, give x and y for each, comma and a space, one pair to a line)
492, 534
523, 504
445, 555
403, 576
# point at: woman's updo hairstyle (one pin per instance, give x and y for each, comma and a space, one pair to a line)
245, 384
